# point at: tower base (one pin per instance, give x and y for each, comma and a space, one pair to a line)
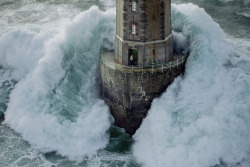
130, 90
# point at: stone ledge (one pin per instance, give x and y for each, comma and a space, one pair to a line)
108, 59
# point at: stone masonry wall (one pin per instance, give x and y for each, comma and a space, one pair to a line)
163, 51
167, 18
154, 28
119, 17
153, 25
152, 19
129, 93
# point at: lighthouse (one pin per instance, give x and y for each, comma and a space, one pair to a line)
143, 30
143, 63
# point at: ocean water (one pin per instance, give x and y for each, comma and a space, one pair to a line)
49, 84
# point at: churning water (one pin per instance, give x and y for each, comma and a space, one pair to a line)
49, 84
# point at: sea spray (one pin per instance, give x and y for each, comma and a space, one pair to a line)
50, 19
18, 151
203, 117
6, 86
54, 106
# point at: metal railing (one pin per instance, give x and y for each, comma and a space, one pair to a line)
153, 66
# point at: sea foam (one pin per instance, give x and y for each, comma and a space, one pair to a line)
55, 104
203, 117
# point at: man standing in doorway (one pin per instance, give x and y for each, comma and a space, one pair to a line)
131, 60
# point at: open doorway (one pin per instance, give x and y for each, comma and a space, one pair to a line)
134, 54
154, 54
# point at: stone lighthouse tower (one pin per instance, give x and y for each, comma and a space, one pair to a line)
143, 62
143, 30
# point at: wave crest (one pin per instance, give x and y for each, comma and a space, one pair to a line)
203, 117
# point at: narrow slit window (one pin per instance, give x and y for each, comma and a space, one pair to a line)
134, 6
133, 29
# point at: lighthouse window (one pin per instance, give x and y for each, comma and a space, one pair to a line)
133, 29
134, 6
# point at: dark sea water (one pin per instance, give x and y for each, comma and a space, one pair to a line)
49, 88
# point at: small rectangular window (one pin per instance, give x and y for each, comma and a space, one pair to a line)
133, 29
134, 6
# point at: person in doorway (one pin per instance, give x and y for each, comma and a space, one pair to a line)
131, 60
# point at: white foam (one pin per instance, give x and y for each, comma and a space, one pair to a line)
226, 1
17, 152
203, 118
54, 106
25, 155
21, 50
246, 14
108, 3
25, 28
